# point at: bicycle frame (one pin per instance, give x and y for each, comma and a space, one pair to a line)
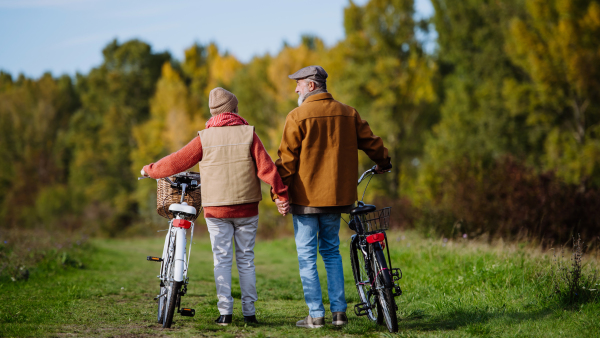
361, 237
181, 259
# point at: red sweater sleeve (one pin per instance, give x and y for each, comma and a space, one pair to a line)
177, 162
266, 169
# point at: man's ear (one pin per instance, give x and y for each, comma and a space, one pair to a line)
311, 86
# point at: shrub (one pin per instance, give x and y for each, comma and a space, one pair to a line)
510, 200
573, 282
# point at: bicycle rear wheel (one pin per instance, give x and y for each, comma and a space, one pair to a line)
362, 280
385, 288
171, 302
161, 303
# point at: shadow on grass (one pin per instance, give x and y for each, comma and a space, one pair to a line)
473, 319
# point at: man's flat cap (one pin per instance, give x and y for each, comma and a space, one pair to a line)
316, 73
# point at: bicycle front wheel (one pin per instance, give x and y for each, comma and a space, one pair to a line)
362, 280
385, 290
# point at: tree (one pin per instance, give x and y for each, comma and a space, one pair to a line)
34, 115
380, 68
556, 44
115, 98
171, 126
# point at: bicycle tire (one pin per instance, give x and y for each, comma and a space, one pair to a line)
161, 304
171, 303
385, 288
170, 285
362, 280
165, 270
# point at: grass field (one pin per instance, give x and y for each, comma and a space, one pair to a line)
451, 289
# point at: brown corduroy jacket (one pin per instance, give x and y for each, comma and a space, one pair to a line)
318, 155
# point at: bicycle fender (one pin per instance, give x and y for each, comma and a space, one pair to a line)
353, 238
385, 273
180, 244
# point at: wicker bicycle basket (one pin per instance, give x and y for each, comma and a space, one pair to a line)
378, 220
166, 195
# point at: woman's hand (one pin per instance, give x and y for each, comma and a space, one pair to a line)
282, 206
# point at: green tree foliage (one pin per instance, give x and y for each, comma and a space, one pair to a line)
475, 125
513, 92
34, 154
557, 45
381, 69
172, 125
115, 97
490, 133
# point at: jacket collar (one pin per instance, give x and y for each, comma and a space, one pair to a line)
318, 97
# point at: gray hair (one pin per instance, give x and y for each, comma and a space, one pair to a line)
318, 84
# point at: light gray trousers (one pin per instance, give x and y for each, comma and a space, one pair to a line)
223, 231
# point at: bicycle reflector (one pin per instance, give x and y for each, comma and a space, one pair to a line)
182, 223
378, 237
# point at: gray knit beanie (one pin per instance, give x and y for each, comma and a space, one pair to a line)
221, 101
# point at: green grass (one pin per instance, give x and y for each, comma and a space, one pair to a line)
454, 289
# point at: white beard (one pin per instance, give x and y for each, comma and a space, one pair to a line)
300, 100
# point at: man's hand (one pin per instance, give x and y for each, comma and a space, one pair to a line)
379, 170
145, 174
282, 206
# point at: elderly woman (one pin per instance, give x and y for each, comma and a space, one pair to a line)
232, 160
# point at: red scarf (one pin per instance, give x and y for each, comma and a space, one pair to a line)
225, 119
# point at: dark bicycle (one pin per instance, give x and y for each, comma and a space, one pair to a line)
376, 280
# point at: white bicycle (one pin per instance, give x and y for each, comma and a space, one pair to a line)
174, 261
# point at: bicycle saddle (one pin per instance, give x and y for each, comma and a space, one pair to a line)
362, 208
183, 208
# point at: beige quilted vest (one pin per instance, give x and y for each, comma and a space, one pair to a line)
227, 169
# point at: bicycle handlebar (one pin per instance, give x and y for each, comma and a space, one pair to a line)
194, 179
372, 170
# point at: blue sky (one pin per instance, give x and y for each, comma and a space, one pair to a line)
67, 36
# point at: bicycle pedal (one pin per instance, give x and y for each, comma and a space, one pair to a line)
396, 274
154, 259
187, 312
361, 309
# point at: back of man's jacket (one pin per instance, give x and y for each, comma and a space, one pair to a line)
318, 155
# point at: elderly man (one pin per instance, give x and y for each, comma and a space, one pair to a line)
318, 161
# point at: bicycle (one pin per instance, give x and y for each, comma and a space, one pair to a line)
174, 262
376, 280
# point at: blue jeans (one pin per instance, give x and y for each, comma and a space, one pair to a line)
321, 229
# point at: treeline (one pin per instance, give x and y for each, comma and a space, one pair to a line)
497, 131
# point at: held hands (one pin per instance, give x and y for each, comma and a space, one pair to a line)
282, 206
